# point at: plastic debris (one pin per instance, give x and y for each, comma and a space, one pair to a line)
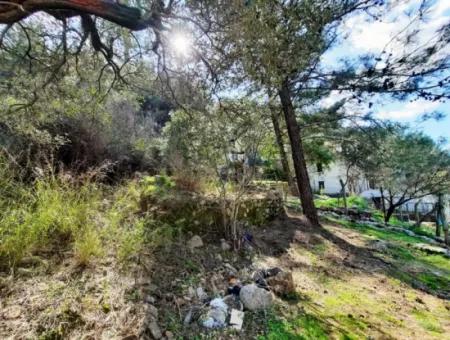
236, 319
217, 314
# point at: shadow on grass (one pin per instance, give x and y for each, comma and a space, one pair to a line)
429, 273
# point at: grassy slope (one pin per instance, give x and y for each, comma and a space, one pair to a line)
343, 290
338, 301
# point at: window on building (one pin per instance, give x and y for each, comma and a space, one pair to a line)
321, 185
319, 167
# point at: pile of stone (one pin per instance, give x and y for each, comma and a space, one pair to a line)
229, 311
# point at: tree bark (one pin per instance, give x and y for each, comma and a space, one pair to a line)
126, 16
298, 157
383, 204
344, 195
283, 156
389, 213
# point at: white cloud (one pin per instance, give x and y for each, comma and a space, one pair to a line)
409, 111
366, 36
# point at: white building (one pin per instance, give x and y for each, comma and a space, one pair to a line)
326, 179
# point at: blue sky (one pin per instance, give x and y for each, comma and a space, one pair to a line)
363, 36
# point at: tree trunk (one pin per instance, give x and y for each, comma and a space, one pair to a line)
416, 214
383, 204
344, 195
283, 156
440, 217
301, 172
389, 213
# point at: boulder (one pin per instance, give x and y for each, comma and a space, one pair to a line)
282, 284
195, 242
255, 298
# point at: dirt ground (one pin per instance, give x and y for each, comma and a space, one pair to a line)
344, 290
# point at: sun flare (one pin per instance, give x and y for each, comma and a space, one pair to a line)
181, 44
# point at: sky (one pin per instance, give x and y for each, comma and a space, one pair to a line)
371, 37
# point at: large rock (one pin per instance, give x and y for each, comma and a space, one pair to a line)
282, 284
255, 298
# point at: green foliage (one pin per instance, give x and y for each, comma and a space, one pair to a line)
49, 215
156, 185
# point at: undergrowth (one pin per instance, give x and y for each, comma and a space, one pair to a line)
46, 216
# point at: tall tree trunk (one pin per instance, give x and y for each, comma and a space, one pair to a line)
383, 204
344, 195
298, 157
440, 217
416, 213
283, 156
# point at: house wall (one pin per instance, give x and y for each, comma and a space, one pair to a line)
330, 176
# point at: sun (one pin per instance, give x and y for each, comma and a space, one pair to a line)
181, 44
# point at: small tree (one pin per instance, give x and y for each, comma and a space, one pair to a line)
220, 145
405, 165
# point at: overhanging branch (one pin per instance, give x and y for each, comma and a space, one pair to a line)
129, 17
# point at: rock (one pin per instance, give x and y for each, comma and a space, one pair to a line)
152, 311
149, 299
432, 249
12, 312
236, 319
191, 292
224, 245
130, 337
233, 302
379, 245
255, 298
201, 294
188, 317
282, 284
195, 242
169, 335
233, 271
154, 329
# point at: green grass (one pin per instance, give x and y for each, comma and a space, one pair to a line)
431, 271
302, 327
428, 321
49, 215
352, 202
